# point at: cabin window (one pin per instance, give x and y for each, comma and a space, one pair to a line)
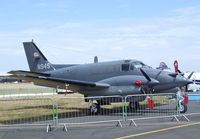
125, 67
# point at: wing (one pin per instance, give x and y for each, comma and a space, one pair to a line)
44, 79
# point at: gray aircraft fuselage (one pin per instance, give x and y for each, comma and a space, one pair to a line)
121, 81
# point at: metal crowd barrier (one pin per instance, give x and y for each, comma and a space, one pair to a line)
68, 111
150, 106
76, 110
26, 112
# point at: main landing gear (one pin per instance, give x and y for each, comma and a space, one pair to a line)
134, 106
94, 108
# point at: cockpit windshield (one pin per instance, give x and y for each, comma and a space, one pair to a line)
138, 65
133, 65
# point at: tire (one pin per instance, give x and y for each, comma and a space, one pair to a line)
133, 106
183, 108
94, 109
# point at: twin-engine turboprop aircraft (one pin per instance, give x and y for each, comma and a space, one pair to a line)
124, 77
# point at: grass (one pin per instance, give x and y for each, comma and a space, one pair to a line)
17, 110
23, 88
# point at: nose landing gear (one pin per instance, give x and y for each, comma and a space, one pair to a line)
183, 107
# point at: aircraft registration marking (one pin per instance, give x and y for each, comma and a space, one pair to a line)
43, 66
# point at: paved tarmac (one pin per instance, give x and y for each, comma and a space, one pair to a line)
163, 129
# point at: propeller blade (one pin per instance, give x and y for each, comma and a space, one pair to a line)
186, 88
190, 75
148, 88
145, 75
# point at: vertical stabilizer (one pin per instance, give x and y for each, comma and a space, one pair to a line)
36, 60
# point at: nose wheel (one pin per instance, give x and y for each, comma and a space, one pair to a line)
94, 109
183, 108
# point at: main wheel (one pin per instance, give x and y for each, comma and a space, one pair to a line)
183, 108
133, 106
94, 109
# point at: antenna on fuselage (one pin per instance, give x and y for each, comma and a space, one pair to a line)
95, 59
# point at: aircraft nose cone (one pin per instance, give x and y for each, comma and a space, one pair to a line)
182, 80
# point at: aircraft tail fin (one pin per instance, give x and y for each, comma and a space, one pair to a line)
36, 60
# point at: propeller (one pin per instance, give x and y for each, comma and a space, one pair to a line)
189, 77
177, 71
151, 82
145, 75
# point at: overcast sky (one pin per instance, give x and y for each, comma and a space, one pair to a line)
74, 31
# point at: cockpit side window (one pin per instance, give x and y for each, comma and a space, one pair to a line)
125, 67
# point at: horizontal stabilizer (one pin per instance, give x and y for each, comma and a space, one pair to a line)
17, 72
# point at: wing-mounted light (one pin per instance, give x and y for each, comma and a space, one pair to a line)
138, 83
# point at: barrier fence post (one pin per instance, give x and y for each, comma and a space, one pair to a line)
177, 104
55, 113
123, 109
